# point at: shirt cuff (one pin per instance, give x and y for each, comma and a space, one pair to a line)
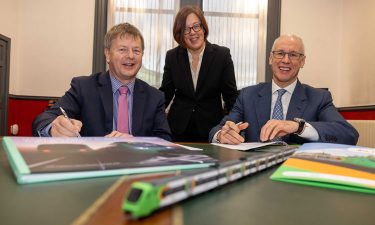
214, 139
45, 132
310, 133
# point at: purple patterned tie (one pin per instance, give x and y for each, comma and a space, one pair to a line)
123, 113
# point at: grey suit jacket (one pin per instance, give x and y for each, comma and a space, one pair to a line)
253, 105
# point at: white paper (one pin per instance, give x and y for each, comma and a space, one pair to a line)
190, 148
249, 145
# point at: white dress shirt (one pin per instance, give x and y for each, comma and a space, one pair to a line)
309, 132
194, 75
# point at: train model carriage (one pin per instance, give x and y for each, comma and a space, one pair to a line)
146, 197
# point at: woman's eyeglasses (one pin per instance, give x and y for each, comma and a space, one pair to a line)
196, 27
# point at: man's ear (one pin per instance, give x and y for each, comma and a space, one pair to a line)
106, 53
270, 60
303, 61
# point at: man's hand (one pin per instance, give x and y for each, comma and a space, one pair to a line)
63, 127
115, 133
277, 128
230, 133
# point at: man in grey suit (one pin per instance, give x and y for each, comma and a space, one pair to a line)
93, 102
284, 109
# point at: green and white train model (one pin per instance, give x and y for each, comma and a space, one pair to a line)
144, 198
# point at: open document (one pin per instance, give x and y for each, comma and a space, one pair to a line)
250, 145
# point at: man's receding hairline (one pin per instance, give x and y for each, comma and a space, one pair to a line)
290, 37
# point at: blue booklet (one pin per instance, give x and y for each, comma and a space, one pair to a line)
36, 159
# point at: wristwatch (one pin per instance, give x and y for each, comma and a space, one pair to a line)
301, 125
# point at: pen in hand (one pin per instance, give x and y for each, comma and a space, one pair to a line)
231, 137
230, 128
239, 123
66, 116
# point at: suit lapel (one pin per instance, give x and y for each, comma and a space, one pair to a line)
207, 59
263, 104
139, 100
183, 60
298, 102
106, 96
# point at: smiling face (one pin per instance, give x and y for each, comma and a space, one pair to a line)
195, 39
285, 70
124, 57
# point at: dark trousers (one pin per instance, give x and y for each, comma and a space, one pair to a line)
191, 133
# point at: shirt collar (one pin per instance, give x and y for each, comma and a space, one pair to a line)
290, 88
200, 54
116, 84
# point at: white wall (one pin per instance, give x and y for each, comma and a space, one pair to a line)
52, 41
339, 40
8, 27
357, 65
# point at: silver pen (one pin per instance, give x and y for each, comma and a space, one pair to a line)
239, 123
67, 117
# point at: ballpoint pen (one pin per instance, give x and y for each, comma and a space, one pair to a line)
67, 117
239, 123
242, 132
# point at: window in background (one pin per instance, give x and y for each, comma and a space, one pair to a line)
237, 24
155, 21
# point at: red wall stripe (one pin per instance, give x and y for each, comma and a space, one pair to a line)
359, 115
24, 111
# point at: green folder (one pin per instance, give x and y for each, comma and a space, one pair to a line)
337, 166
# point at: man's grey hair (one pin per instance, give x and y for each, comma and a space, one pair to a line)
290, 36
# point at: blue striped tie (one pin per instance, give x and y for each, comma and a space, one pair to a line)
278, 110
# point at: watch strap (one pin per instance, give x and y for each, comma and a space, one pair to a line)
301, 125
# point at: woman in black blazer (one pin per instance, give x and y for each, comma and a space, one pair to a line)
197, 76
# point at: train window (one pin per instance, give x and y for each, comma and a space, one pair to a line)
134, 195
173, 190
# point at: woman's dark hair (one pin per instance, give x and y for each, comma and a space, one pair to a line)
180, 23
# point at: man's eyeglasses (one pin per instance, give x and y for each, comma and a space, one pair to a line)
196, 27
291, 55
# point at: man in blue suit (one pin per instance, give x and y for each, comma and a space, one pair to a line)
284, 109
93, 104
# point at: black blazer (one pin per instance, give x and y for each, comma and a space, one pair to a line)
90, 100
216, 79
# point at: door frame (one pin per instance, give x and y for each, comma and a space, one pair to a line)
4, 129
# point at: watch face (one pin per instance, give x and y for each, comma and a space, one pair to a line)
299, 120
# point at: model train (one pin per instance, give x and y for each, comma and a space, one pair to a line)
146, 197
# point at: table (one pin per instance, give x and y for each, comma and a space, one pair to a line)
253, 200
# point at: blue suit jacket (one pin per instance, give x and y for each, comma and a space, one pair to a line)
253, 105
90, 100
